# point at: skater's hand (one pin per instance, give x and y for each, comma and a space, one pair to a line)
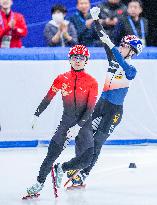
34, 121
105, 39
73, 131
95, 11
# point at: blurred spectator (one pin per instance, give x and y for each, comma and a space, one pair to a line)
58, 31
148, 12
12, 26
110, 13
82, 21
133, 24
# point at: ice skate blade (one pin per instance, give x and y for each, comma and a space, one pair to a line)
32, 196
77, 187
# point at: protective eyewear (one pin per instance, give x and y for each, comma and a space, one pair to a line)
125, 45
78, 57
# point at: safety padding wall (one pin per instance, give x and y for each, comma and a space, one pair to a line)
24, 83
58, 53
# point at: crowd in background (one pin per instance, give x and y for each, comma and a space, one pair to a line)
118, 19
12, 26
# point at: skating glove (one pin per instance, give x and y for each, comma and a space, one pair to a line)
34, 121
95, 11
105, 39
73, 131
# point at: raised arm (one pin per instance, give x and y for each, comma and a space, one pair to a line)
130, 71
98, 27
95, 11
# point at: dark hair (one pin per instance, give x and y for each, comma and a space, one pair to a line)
58, 7
138, 1
78, 1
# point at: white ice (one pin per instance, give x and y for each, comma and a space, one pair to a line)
111, 182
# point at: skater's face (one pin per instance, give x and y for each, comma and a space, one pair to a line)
78, 62
126, 51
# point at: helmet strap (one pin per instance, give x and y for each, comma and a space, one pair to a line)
77, 70
128, 55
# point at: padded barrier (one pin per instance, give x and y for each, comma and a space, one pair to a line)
41, 143
20, 72
58, 53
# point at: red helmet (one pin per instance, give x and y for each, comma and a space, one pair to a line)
79, 50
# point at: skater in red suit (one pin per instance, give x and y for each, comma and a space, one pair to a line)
12, 26
79, 93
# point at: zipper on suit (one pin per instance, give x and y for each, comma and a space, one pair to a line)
75, 93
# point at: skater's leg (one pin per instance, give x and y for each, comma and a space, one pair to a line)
83, 148
83, 173
55, 148
98, 109
54, 151
106, 127
99, 139
76, 163
79, 162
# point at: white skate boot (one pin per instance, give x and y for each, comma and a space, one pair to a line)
35, 188
59, 174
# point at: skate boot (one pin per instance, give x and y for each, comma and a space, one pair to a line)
70, 173
35, 188
74, 179
59, 174
79, 179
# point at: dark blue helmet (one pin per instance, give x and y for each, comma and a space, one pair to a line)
134, 42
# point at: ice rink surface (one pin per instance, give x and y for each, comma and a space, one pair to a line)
111, 182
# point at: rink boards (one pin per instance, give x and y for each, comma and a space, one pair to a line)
24, 83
